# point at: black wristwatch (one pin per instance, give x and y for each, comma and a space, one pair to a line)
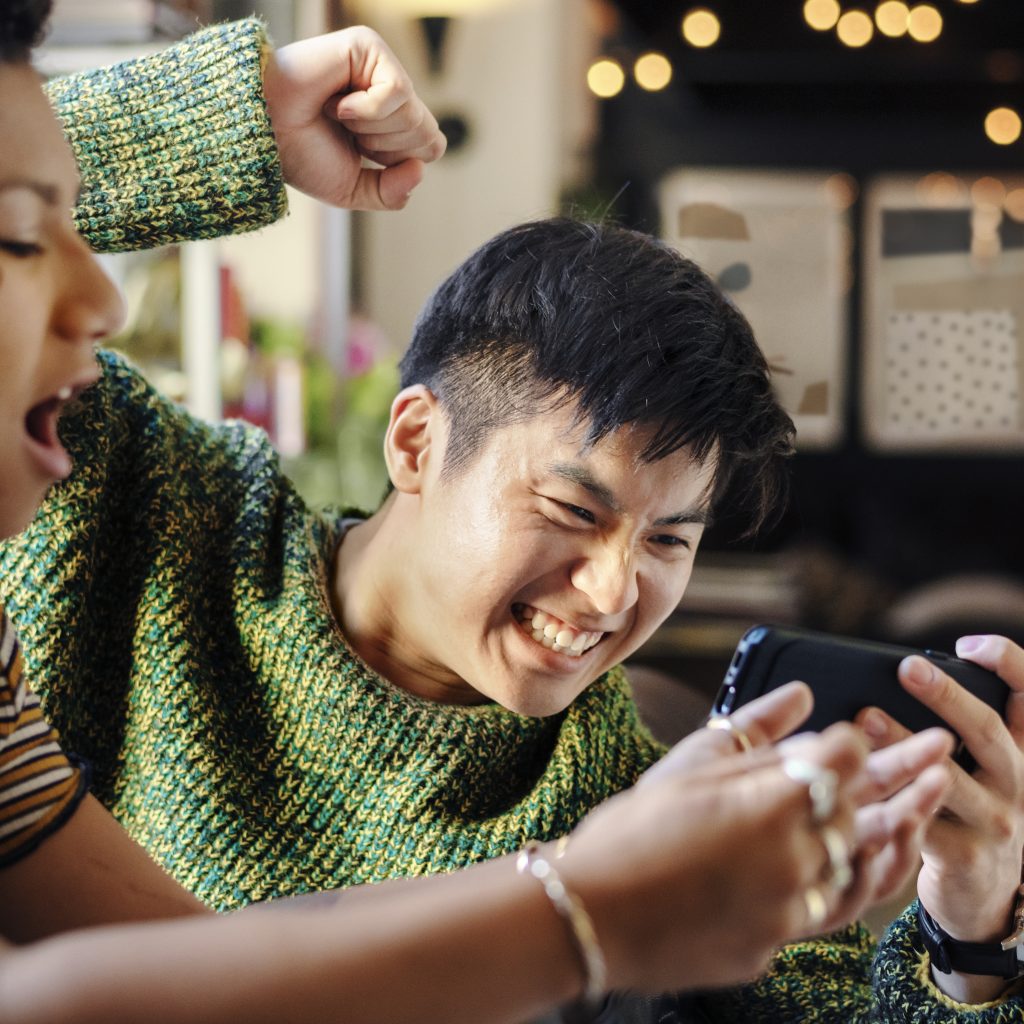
948, 954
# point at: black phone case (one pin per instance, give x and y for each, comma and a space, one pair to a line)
846, 675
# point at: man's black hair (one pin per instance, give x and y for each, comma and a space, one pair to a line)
621, 327
22, 24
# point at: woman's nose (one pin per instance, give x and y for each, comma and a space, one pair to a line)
90, 306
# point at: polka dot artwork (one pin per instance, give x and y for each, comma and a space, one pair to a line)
952, 375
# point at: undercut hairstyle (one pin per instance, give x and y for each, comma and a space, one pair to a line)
619, 327
22, 25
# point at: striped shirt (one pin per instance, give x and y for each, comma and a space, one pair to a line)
39, 786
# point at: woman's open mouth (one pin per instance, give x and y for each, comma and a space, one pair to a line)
41, 427
554, 634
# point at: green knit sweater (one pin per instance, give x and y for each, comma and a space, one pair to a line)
172, 601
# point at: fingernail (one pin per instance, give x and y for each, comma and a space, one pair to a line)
969, 644
919, 671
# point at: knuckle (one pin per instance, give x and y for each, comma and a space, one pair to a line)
990, 725
1003, 825
365, 35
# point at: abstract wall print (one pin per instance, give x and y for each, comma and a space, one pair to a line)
779, 244
944, 313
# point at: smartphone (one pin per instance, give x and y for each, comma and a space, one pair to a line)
845, 675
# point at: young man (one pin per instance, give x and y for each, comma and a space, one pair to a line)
232, 727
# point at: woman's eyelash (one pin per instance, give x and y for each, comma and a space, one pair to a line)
20, 248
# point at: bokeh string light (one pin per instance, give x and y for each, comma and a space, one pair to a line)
652, 71
855, 29
1003, 126
892, 18
925, 23
605, 78
701, 28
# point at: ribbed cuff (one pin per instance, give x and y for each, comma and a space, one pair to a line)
906, 992
177, 145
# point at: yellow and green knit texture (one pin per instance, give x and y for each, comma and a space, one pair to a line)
172, 602
176, 145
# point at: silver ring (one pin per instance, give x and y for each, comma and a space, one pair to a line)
817, 908
840, 873
822, 786
726, 724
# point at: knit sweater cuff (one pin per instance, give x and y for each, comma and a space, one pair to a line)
906, 992
177, 145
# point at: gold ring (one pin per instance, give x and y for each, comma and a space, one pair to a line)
822, 786
726, 724
840, 872
817, 908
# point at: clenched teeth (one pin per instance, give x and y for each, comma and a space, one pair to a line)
553, 633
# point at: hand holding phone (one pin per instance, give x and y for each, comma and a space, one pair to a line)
845, 675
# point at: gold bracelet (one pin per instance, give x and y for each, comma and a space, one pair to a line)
531, 861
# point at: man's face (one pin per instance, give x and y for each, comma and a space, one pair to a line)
541, 564
55, 300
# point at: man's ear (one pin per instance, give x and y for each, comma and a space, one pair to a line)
416, 434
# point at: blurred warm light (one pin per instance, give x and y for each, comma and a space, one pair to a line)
841, 190
893, 18
941, 189
985, 249
985, 221
924, 23
968, 1
701, 27
1014, 204
855, 29
652, 71
988, 191
1002, 126
822, 14
606, 78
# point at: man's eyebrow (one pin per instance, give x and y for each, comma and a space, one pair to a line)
696, 516
50, 194
581, 476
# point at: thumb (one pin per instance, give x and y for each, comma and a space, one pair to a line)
388, 188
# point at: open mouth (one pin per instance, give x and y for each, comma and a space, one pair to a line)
41, 427
41, 419
554, 634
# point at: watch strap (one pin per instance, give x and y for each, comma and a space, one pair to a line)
948, 954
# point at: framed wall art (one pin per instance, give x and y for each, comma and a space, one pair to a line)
779, 244
943, 361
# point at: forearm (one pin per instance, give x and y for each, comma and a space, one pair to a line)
482, 944
174, 146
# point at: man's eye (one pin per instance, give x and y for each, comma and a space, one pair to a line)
667, 540
20, 249
579, 513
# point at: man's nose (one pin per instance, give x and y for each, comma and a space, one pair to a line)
609, 579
